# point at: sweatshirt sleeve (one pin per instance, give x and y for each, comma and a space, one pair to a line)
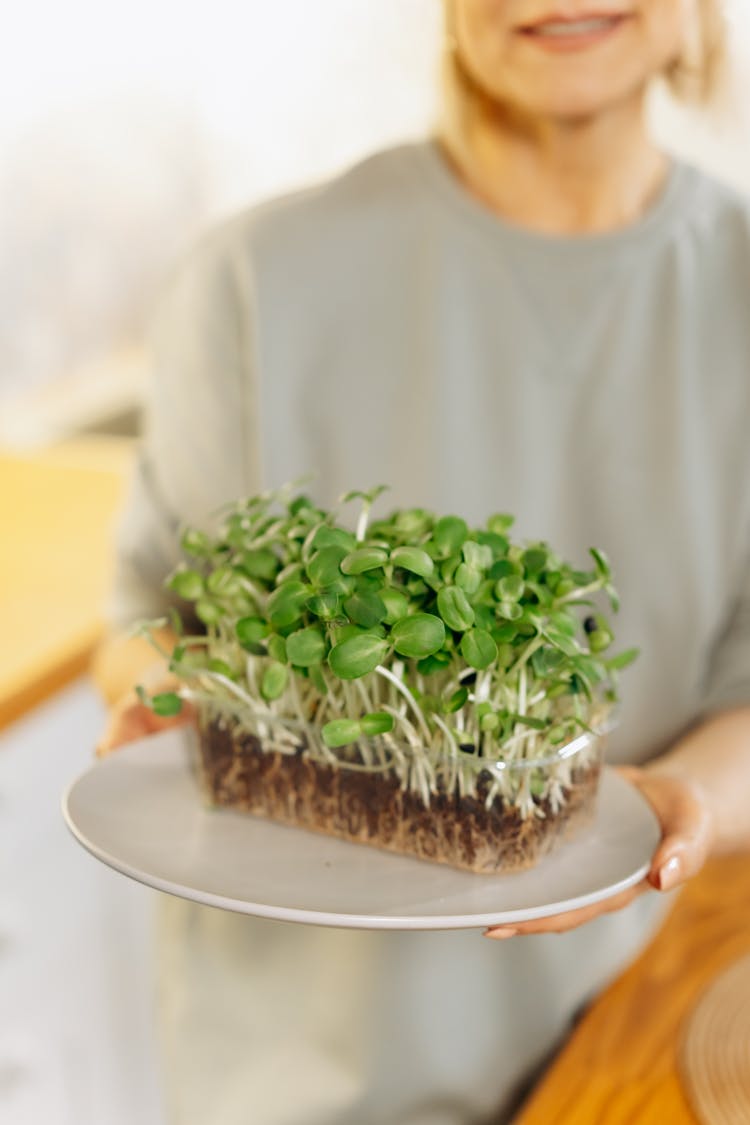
200, 446
727, 681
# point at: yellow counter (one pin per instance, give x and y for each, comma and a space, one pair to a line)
57, 516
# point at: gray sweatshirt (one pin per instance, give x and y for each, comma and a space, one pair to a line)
387, 327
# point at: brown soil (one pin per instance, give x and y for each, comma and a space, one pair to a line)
372, 808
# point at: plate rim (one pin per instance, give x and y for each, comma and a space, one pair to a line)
339, 920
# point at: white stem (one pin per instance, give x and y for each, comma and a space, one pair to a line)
455, 752
364, 696
362, 523
231, 686
403, 689
330, 699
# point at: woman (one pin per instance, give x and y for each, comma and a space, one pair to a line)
538, 312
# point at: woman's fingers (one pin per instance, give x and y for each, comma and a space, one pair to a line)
568, 919
131, 719
687, 833
686, 824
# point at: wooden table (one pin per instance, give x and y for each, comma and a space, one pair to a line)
57, 518
620, 1067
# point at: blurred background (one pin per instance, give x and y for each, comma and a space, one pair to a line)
124, 131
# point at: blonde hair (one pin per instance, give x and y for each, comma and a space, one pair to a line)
694, 76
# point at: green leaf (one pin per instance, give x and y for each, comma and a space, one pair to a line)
334, 537
502, 568
196, 543
543, 594
376, 722
449, 568
412, 522
369, 497
438, 662
343, 632
579, 686
365, 609
366, 558
286, 604
468, 578
223, 582
547, 661
478, 648
528, 721
357, 655
261, 564
511, 611
274, 681
534, 560
299, 503
324, 605
593, 670
498, 544
484, 616
187, 584
208, 611
418, 636
509, 589
562, 641
343, 585
220, 666
614, 597
476, 555
325, 566
396, 604
603, 568
340, 732
166, 704
504, 633
415, 560
450, 533
599, 640
623, 659
457, 700
277, 648
291, 570
305, 647
564, 622
564, 586
500, 523
453, 607
489, 722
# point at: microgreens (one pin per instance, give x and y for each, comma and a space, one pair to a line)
413, 642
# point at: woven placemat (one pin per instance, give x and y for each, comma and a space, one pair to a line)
715, 1054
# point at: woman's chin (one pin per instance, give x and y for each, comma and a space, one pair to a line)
579, 100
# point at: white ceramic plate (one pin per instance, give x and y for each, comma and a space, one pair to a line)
140, 811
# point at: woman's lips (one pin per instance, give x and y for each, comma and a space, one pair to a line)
562, 34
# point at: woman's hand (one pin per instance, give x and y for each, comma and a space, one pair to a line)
130, 718
687, 835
